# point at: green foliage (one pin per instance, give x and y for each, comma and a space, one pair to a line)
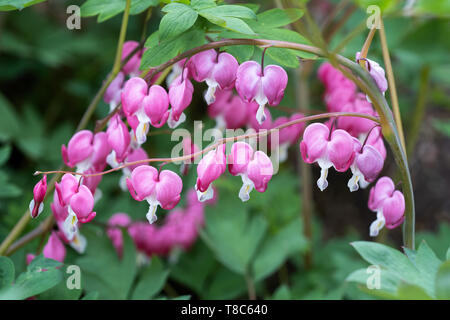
106, 9
416, 275
178, 19
8, 5
41, 275
151, 281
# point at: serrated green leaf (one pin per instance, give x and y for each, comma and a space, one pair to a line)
178, 19
151, 281
388, 281
8, 5
278, 17
232, 11
7, 272
139, 6
167, 49
202, 4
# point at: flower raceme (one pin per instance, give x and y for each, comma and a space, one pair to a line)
265, 86
218, 70
388, 203
327, 148
255, 168
36, 204
157, 188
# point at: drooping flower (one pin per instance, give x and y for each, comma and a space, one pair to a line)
113, 92
132, 66
255, 168
158, 189
79, 150
210, 168
217, 69
180, 96
119, 140
357, 125
366, 166
376, 72
263, 86
388, 203
36, 204
335, 149
133, 155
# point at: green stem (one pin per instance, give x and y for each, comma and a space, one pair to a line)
123, 31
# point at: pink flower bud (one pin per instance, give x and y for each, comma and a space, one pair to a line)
54, 249
156, 105
132, 66
388, 203
39, 191
218, 70
377, 73
327, 150
264, 87
119, 140
79, 150
210, 168
114, 233
180, 96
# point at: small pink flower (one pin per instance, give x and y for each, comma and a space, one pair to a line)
180, 96
357, 125
81, 204
119, 140
217, 69
113, 93
366, 166
376, 72
158, 189
134, 155
36, 205
156, 105
264, 87
255, 168
132, 66
79, 150
210, 168
328, 150
114, 233
388, 203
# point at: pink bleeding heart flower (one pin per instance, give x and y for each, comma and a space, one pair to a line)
263, 86
113, 93
53, 249
338, 99
177, 69
158, 189
375, 139
156, 105
133, 156
255, 168
217, 69
210, 168
180, 96
328, 150
357, 125
132, 66
81, 204
119, 140
376, 72
115, 233
229, 110
101, 149
366, 166
79, 150
36, 204
388, 203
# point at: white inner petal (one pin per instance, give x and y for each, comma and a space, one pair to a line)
353, 183
205, 196
153, 206
111, 159
210, 94
78, 243
70, 225
247, 187
172, 123
324, 165
83, 166
377, 225
141, 132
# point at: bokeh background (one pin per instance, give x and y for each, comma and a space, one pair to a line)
49, 74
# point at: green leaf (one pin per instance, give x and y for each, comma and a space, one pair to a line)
224, 284
41, 275
93, 295
8, 5
9, 121
61, 291
234, 11
5, 152
447, 256
233, 235
167, 49
105, 273
202, 4
9, 190
443, 282
178, 19
278, 17
428, 264
388, 281
105, 9
242, 53
442, 126
6, 272
277, 248
411, 292
282, 293
151, 281
139, 6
